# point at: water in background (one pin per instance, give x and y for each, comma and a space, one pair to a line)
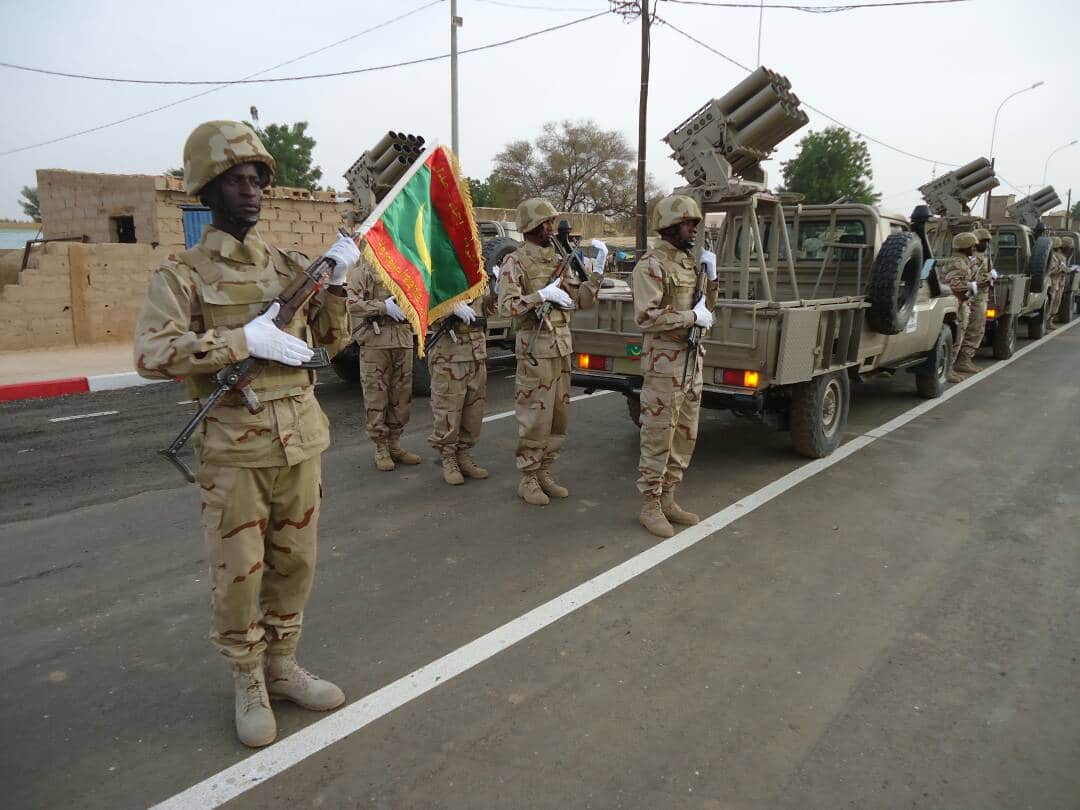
16, 237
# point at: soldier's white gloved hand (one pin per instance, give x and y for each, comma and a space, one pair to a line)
708, 258
495, 271
556, 295
974, 287
702, 316
464, 312
344, 254
393, 310
601, 256
993, 274
266, 341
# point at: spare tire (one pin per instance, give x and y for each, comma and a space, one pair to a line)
497, 249
1039, 264
894, 283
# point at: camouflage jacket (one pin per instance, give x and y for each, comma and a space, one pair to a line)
464, 342
1058, 265
980, 268
958, 273
372, 327
664, 282
191, 325
524, 273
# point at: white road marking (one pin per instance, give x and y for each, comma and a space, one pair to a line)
83, 416
115, 382
267, 763
186, 402
496, 416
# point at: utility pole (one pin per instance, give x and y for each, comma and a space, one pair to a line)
760, 23
643, 104
455, 23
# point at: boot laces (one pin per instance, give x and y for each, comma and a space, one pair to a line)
253, 692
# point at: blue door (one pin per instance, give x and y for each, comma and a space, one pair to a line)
196, 218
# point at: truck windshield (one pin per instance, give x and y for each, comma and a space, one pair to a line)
813, 239
1005, 248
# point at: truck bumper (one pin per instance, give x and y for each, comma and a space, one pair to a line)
712, 396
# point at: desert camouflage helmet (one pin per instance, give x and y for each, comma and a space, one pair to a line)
673, 209
215, 147
1055, 242
1067, 242
982, 234
534, 211
964, 240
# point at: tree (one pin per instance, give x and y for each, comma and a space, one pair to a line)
575, 165
1076, 211
830, 165
30, 203
483, 195
174, 172
291, 148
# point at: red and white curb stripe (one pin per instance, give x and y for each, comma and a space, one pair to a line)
72, 385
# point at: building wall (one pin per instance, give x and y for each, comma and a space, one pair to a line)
81, 204
590, 226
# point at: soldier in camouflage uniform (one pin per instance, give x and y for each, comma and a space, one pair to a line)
665, 280
386, 361
973, 335
259, 474
1059, 269
458, 365
1066, 253
542, 396
959, 274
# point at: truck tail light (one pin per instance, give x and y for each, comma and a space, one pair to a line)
737, 377
595, 362
991, 313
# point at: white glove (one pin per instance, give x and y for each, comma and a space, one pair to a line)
345, 254
495, 271
601, 256
464, 312
393, 310
702, 316
993, 274
556, 295
708, 258
974, 287
266, 341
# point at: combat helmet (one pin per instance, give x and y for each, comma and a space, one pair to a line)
964, 240
1055, 242
982, 234
215, 147
1067, 242
673, 209
534, 211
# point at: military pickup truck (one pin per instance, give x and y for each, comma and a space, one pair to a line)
810, 297
1070, 300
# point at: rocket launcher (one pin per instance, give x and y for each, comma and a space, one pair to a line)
376, 170
1029, 210
733, 134
949, 194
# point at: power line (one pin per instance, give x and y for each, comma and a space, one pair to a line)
820, 112
307, 77
526, 7
817, 9
223, 86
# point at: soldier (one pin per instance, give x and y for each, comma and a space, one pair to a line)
1066, 254
458, 365
386, 361
531, 276
959, 274
976, 326
665, 280
1059, 268
259, 474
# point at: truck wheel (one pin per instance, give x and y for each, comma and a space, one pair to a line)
931, 386
633, 407
894, 283
421, 378
497, 249
346, 363
819, 414
1005, 338
1065, 310
1039, 264
1037, 324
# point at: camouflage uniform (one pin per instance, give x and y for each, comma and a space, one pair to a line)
542, 396
976, 324
1059, 270
386, 357
259, 474
958, 273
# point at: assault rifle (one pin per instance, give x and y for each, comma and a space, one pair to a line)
544, 310
693, 338
562, 240
238, 376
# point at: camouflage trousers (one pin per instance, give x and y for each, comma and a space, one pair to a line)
542, 408
963, 316
669, 418
1057, 292
387, 380
260, 526
458, 390
972, 336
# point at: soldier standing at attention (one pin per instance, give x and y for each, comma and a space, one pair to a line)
386, 361
1058, 270
959, 275
542, 396
458, 365
665, 280
259, 474
976, 325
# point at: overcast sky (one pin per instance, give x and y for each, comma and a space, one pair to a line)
925, 79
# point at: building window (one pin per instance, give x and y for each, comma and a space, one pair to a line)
123, 229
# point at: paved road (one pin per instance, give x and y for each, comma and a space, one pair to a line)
899, 630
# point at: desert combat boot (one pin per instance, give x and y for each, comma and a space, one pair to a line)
401, 455
550, 485
255, 724
964, 365
652, 518
468, 466
675, 513
287, 680
451, 472
383, 460
530, 491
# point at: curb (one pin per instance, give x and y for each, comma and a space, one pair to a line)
41, 389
